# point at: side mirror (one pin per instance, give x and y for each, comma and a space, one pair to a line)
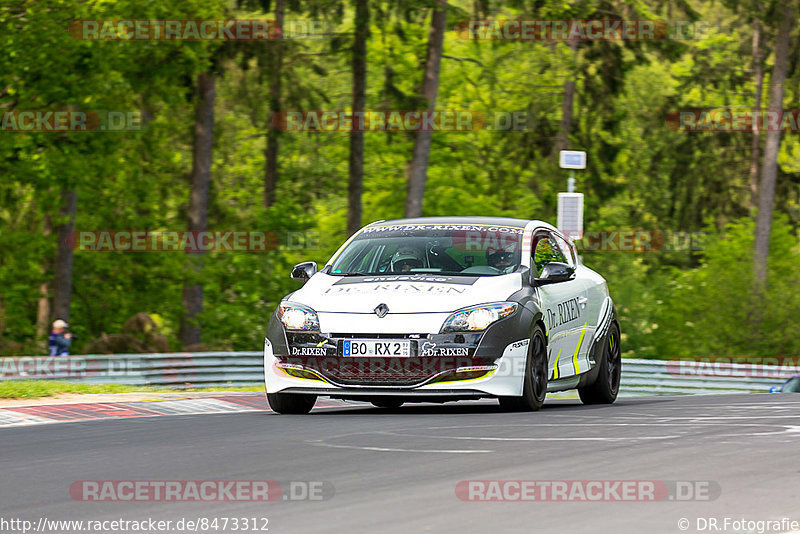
555, 272
304, 271
775, 389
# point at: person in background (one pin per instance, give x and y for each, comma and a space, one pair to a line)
60, 340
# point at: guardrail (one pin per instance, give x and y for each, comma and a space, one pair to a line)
171, 369
681, 377
182, 369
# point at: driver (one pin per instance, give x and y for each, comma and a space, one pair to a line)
405, 259
501, 259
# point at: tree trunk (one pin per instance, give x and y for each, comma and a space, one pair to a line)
43, 308
769, 168
198, 204
565, 126
271, 152
42, 319
355, 182
62, 282
758, 70
417, 170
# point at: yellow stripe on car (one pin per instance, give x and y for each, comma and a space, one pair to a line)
555, 365
575, 363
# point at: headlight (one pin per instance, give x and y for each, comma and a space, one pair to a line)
478, 317
298, 317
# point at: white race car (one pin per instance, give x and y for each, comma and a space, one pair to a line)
445, 308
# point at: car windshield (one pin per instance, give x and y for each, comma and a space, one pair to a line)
452, 249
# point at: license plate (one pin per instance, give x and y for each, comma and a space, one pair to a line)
376, 347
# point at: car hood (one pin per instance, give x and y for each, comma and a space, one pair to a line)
427, 293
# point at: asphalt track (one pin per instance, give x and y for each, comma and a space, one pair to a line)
398, 471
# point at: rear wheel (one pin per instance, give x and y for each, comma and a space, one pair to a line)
291, 403
388, 404
605, 388
534, 388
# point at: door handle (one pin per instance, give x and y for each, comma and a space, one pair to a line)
582, 301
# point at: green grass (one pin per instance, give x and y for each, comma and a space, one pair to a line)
31, 389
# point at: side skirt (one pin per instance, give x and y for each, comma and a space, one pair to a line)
563, 384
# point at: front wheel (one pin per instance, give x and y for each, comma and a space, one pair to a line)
605, 388
291, 403
534, 387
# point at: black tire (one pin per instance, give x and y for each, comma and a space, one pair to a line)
537, 372
291, 403
387, 404
605, 388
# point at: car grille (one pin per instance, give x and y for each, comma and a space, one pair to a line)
331, 364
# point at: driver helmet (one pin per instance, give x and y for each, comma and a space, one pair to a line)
501, 258
405, 259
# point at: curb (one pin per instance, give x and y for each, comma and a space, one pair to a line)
66, 413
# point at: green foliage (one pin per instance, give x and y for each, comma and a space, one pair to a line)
641, 174
713, 310
31, 389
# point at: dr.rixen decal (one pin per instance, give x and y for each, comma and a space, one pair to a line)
568, 310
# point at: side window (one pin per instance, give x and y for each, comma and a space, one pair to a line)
565, 248
549, 248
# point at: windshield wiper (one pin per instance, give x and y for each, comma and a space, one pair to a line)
352, 273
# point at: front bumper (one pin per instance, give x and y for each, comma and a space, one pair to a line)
466, 365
